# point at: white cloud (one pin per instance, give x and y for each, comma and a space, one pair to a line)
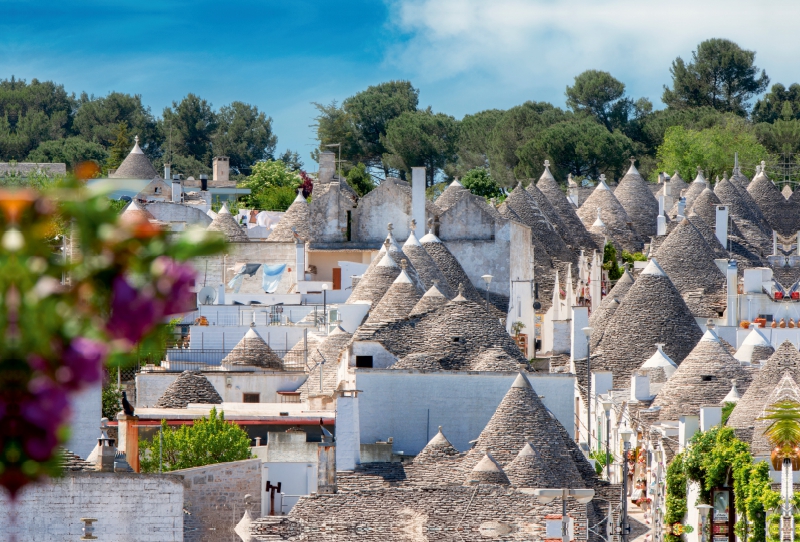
514, 45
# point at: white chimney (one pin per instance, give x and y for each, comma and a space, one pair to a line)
687, 427
418, 199
774, 243
661, 225
798, 243
580, 320
681, 207
221, 168
327, 166
221, 294
348, 434
661, 204
167, 171
732, 276
176, 187
709, 417
300, 260
722, 225
667, 185
640, 388
602, 382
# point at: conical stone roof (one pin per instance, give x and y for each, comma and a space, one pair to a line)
521, 418
375, 282
781, 215
576, 234
609, 304
530, 470
398, 301
459, 329
327, 351
437, 449
487, 471
551, 214
525, 206
704, 378
225, 223
494, 359
705, 206
652, 312
133, 214
677, 185
709, 236
430, 301
742, 208
189, 387
688, 261
696, 188
755, 347
253, 351
427, 270
740, 179
786, 390
135, 166
635, 196
297, 218
785, 359
451, 195
449, 266
613, 215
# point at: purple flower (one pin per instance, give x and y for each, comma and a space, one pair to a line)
133, 312
47, 406
40, 447
175, 285
83, 359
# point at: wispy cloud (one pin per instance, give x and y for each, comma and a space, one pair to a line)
542, 44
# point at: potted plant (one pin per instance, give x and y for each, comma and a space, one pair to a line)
783, 433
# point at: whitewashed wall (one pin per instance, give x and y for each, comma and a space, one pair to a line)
129, 507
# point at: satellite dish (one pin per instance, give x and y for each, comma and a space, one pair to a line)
537, 305
207, 295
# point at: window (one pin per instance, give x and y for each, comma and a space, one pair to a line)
456, 339
706, 378
251, 398
364, 361
158, 189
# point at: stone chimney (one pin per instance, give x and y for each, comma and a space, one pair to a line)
326, 463
177, 191
167, 171
222, 168
106, 454
129, 438
681, 208
327, 166
640, 387
418, 199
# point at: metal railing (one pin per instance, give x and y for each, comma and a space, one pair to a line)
177, 360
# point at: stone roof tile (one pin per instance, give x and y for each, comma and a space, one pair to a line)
189, 387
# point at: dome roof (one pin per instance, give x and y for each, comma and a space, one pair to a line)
189, 387
430, 301
529, 469
323, 360
660, 360
398, 301
449, 266
427, 270
375, 282
525, 206
696, 187
450, 195
487, 471
755, 347
437, 449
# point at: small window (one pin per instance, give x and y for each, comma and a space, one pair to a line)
364, 361
252, 398
158, 189
706, 378
456, 339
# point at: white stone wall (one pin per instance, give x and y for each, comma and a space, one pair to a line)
129, 507
87, 409
220, 268
410, 405
176, 212
151, 386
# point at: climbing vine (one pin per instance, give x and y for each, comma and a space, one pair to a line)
716, 458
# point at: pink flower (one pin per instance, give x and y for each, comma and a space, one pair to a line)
175, 285
47, 406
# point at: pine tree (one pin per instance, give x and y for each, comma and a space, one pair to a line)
120, 148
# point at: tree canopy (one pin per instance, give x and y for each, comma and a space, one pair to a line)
480, 182
600, 95
721, 75
208, 441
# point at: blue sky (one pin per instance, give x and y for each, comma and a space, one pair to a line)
463, 55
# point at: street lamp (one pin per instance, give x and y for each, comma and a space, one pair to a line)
325, 306
588, 332
488, 280
546, 496
625, 434
704, 509
607, 404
